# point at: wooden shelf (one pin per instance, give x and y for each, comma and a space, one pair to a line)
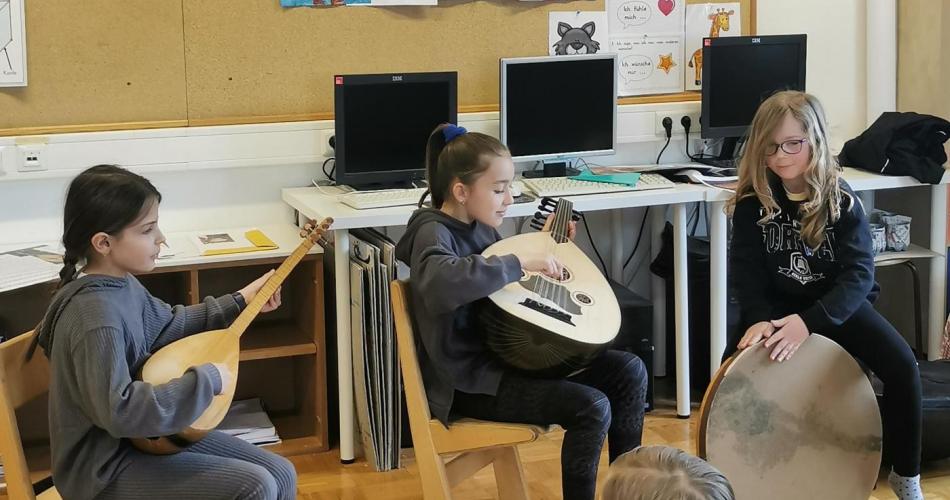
913, 252
286, 348
276, 340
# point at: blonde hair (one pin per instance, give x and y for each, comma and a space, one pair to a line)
664, 473
822, 175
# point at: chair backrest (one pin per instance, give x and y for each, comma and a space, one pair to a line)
416, 402
21, 381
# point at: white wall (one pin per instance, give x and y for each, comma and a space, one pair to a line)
836, 57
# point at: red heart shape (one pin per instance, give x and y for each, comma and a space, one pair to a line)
666, 6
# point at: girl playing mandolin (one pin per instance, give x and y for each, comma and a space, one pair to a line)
469, 177
99, 330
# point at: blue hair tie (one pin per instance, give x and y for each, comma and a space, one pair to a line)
452, 131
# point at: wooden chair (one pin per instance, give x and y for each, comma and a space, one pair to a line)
474, 443
20, 382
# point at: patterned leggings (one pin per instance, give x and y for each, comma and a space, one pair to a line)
607, 399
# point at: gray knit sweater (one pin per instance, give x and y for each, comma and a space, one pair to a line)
97, 333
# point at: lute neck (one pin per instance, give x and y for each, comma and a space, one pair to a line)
264, 294
562, 219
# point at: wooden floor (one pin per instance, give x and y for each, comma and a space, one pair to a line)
323, 477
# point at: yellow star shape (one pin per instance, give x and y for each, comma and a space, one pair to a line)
666, 63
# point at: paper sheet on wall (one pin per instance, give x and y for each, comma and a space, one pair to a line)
12, 44
707, 20
577, 32
648, 64
651, 17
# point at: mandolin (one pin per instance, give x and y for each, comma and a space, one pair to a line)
216, 346
547, 326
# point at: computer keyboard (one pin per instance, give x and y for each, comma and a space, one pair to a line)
565, 186
362, 200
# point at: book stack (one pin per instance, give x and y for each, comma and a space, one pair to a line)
247, 420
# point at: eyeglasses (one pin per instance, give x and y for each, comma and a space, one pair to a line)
792, 147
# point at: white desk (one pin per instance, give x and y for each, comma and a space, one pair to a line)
311, 203
859, 180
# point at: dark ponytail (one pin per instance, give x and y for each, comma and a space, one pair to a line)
464, 157
103, 198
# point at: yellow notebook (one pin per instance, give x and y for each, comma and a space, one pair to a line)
233, 241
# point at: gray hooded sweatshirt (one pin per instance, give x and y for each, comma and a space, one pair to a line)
97, 333
448, 274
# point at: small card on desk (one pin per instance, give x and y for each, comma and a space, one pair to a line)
232, 241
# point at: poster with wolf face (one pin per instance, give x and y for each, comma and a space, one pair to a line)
577, 33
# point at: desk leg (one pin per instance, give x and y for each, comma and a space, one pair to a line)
718, 285
681, 296
344, 344
938, 269
658, 292
616, 249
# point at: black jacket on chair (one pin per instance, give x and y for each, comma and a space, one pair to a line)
900, 144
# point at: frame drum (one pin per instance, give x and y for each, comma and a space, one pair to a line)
808, 427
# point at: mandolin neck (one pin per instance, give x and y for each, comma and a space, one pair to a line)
257, 303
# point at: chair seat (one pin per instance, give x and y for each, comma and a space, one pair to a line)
50, 494
469, 434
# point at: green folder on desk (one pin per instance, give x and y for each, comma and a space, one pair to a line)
627, 179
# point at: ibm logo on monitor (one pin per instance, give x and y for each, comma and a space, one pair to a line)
397, 78
756, 40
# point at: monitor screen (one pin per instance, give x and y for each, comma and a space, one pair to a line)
559, 106
384, 121
741, 72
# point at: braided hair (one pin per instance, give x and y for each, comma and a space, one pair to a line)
103, 198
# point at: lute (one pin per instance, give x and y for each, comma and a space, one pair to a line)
216, 346
550, 326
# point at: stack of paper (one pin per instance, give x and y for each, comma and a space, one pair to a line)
247, 420
18, 271
377, 384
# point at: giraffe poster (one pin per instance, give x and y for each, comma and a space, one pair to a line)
12, 44
711, 20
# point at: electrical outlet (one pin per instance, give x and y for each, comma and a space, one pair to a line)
325, 136
676, 116
32, 157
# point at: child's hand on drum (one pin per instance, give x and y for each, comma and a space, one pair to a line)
755, 333
790, 334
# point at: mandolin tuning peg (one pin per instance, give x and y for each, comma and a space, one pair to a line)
575, 215
537, 225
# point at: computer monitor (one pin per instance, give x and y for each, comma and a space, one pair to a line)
559, 107
740, 72
383, 122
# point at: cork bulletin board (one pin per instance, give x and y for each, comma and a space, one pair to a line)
127, 64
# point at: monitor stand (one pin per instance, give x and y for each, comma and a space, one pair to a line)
554, 169
727, 155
